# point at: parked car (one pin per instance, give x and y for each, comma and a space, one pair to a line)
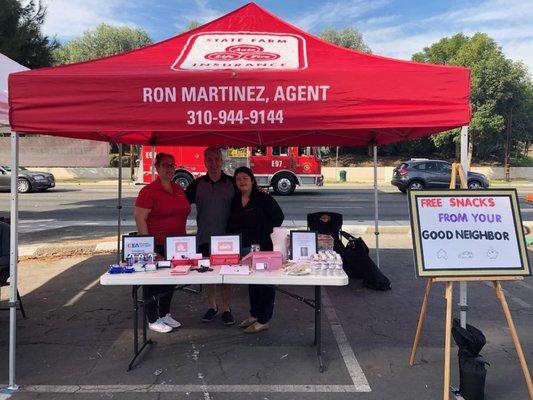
419, 174
28, 180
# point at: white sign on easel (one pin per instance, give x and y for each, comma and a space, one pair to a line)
465, 233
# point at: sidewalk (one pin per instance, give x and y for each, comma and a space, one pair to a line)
109, 243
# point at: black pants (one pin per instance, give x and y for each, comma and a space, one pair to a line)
4, 274
205, 249
261, 302
161, 305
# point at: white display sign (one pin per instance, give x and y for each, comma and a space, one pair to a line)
461, 232
226, 244
303, 245
132, 245
180, 246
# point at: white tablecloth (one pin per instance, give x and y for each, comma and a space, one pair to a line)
276, 277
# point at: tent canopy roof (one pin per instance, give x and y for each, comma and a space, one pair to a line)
246, 78
7, 66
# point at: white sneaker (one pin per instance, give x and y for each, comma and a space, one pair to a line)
159, 326
168, 320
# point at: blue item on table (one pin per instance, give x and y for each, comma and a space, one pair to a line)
115, 269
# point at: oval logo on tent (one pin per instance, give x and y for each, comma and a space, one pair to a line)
244, 48
263, 56
223, 56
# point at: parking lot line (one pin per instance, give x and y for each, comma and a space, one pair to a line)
161, 388
352, 365
517, 300
80, 294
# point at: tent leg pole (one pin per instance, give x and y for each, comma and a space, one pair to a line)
376, 208
337, 163
13, 259
152, 167
463, 286
119, 205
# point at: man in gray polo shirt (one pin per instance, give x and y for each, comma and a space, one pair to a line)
213, 194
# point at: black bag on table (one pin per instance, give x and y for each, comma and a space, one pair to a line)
358, 264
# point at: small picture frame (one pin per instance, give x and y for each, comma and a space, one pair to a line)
137, 244
226, 244
180, 246
303, 244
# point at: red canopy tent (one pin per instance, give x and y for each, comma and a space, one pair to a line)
247, 78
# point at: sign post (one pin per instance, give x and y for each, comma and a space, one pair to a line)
465, 236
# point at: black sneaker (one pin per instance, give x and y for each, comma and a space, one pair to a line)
209, 315
227, 318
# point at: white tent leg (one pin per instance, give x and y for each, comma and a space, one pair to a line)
13, 259
337, 163
463, 286
119, 204
376, 209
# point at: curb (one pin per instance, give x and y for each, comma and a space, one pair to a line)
85, 248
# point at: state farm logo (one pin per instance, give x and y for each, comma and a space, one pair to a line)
242, 50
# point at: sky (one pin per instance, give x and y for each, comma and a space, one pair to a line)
393, 28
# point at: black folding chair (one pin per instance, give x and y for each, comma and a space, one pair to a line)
4, 269
328, 223
5, 283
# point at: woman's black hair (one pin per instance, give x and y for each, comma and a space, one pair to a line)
160, 156
247, 171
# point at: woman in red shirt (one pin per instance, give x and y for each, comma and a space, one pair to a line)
161, 210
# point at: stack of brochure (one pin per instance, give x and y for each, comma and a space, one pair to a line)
234, 270
180, 270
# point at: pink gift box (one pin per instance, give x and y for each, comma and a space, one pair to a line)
263, 260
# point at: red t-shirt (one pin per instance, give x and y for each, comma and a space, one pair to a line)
168, 212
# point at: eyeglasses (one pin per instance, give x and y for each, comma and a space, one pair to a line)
165, 165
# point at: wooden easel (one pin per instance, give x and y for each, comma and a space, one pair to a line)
458, 170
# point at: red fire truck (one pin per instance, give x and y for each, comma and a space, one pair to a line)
283, 168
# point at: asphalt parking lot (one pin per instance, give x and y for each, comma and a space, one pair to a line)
77, 340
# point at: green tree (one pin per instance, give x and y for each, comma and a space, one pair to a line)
350, 38
500, 88
192, 25
104, 40
21, 38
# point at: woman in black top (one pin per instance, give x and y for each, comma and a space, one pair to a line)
254, 215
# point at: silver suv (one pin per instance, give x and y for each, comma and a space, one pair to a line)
419, 174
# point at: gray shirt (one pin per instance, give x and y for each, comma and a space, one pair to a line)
213, 205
